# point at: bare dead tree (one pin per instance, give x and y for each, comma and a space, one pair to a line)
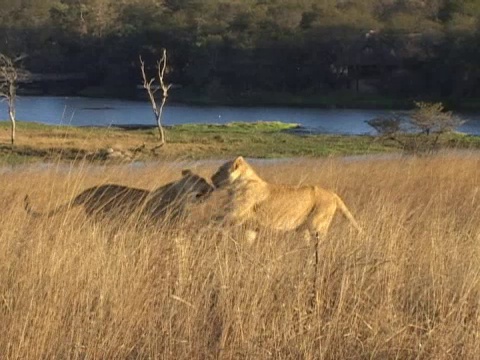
8, 89
152, 89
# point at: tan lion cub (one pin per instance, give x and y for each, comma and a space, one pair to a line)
281, 207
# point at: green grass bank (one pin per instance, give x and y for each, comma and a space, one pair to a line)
37, 142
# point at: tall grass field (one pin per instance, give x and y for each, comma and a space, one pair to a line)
408, 287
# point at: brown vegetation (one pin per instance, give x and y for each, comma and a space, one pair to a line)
408, 287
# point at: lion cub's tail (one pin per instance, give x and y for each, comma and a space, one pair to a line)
343, 208
30, 211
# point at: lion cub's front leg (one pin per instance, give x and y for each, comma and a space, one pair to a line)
238, 212
240, 207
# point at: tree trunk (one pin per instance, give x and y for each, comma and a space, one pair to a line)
161, 131
11, 113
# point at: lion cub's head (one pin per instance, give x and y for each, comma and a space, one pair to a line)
194, 184
232, 171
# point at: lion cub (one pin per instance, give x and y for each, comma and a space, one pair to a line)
280, 207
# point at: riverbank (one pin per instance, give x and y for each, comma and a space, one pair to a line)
330, 100
37, 142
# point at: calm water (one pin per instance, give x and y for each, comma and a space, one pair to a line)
80, 111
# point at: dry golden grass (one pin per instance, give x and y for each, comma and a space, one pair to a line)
409, 287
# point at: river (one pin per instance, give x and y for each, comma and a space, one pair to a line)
80, 111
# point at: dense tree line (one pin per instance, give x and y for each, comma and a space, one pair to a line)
405, 48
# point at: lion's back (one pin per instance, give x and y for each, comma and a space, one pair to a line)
285, 207
111, 199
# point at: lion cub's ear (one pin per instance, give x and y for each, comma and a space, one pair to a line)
238, 162
186, 172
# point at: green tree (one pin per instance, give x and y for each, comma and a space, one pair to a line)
433, 118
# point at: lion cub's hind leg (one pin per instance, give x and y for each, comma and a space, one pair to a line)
318, 226
321, 219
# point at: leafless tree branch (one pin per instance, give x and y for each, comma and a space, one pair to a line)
151, 90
